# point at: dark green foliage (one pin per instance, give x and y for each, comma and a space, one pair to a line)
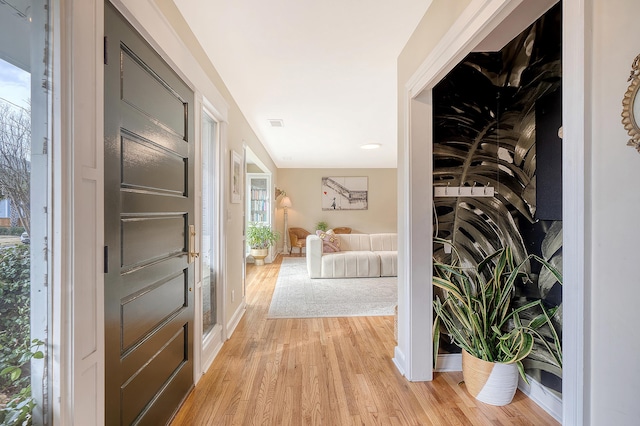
14, 230
15, 342
18, 411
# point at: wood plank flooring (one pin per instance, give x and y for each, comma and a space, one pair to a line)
328, 371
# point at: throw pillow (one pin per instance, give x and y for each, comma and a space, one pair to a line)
330, 241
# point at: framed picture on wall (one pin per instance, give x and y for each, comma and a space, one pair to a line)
345, 193
236, 177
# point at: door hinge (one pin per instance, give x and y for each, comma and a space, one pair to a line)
106, 259
106, 45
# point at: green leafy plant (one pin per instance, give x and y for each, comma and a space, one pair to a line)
261, 236
322, 226
20, 406
478, 313
15, 343
14, 309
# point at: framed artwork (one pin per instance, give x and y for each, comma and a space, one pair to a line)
236, 177
345, 193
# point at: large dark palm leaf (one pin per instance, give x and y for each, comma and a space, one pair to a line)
484, 135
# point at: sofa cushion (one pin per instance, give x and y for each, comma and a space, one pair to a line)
355, 242
350, 264
388, 263
314, 256
330, 241
384, 242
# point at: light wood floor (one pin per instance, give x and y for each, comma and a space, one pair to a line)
328, 371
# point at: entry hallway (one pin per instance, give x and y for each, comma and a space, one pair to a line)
328, 371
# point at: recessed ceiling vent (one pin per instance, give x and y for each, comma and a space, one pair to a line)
276, 123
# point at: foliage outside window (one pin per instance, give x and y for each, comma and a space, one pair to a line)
16, 346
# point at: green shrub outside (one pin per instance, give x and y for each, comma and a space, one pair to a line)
13, 230
15, 340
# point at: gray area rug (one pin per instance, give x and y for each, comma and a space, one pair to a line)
298, 296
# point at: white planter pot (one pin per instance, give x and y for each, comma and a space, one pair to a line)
259, 255
489, 382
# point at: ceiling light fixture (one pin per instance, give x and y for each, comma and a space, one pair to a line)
371, 146
276, 122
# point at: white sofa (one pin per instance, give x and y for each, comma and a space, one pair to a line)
360, 255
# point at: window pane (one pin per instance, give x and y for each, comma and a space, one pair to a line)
208, 222
24, 191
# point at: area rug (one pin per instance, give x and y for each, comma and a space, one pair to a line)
298, 296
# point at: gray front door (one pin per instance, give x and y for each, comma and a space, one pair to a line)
148, 209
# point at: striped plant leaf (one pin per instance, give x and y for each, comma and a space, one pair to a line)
552, 253
480, 318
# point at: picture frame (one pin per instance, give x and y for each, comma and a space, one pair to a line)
631, 106
235, 178
345, 193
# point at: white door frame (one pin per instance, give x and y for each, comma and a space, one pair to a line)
414, 353
206, 350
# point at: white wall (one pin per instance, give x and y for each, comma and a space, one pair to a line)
303, 186
435, 23
413, 353
239, 133
615, 205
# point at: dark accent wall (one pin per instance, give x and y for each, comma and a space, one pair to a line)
496, 120
549, 157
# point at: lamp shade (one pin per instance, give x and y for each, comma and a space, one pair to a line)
285, 202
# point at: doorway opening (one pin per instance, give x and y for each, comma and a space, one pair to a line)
498, 178
414, 356
259, 198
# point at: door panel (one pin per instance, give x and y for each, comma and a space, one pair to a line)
148, 238
145, 91
147, 382
148, 210
143, 312
142, 162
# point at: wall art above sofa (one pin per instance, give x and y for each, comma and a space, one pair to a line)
345, 193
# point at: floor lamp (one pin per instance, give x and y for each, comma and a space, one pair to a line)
285, 203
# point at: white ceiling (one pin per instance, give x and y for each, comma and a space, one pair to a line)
326, 68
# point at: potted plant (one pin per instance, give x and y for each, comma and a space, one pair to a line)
322, 226
494, 335
260, 237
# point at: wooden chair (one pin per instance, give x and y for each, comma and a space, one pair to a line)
298, 238
342, 230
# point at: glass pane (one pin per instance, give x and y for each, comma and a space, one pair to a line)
24, 191
208, 228
259, 200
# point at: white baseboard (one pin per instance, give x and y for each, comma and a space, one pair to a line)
539, 394
209, 360
543, 397
449, 362
399, 360
235, 319
216, 342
